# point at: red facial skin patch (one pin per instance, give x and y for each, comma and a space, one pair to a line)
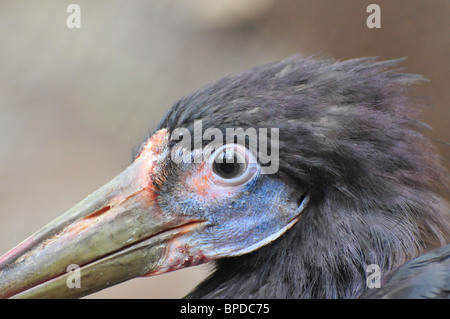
199, 182
136, 181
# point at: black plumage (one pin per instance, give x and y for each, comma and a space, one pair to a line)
424, 277
349, 132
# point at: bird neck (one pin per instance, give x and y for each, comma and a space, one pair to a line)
278, 271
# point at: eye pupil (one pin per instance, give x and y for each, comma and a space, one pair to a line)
227, 170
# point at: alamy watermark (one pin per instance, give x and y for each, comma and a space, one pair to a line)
74, 278
263, 143
373, 21
73, 20
373, 279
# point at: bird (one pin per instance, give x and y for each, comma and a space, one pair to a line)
340, 192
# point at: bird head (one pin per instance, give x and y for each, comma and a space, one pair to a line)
311, 161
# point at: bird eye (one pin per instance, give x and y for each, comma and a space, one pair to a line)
233, 164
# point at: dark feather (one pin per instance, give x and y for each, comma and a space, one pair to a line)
427, 276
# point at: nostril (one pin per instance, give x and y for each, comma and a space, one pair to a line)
99, 212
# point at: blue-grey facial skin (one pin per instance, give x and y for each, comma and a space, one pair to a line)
238, 219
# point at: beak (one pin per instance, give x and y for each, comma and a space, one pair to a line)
115, 234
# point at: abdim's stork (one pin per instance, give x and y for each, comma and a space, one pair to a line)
355, 185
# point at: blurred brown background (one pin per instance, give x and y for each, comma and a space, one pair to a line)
74, 102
